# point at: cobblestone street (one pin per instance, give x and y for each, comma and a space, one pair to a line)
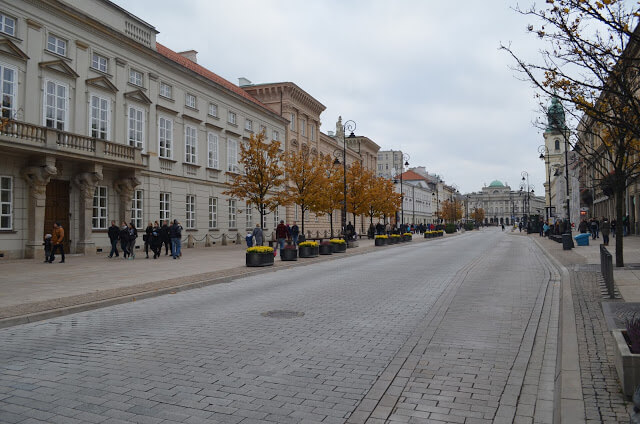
459, 330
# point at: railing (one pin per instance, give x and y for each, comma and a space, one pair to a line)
76, 142
606, 267
23, 131
119, 150
53, 139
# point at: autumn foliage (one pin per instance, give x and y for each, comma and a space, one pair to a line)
478, 215
451, 211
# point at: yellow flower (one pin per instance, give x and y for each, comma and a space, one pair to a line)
381, 237
308, 244
260, 249
337, 241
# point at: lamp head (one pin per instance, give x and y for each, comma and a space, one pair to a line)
336, 161
541, 156
352, 135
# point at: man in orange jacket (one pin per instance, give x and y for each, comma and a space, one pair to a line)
57, 237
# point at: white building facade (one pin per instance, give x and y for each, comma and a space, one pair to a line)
106, 124
502, 205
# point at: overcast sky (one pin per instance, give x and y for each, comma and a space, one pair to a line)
424, 77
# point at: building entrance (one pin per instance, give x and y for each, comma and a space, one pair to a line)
57, 209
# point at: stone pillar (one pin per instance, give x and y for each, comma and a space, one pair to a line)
86, 183
125, 188
37, 177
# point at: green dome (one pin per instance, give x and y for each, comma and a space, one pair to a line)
496, 183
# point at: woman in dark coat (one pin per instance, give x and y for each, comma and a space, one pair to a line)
124, 239
147, 238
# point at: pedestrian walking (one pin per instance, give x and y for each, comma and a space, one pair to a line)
605, 229
146, 237
124, 240
295, 233
155, 243
258, 235
249, 239
133, 235
164, 237
175, 233
281, 234
613, 227
114, 235
47, 247
57, 238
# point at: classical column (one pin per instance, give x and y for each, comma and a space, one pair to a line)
37, 177
125, 188
86, 183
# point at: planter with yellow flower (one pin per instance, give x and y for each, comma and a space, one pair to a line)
339, 245
259, 256
308, 249
407, 237
381, 240
395, 238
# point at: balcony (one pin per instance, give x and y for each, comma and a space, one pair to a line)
24, 136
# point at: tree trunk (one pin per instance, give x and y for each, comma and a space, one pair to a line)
302, 219
264, 235
619, 199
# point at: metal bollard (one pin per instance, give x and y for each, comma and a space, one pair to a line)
606, 268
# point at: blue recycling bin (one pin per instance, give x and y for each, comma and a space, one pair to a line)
582, 239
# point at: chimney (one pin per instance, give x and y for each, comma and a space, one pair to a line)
242, 82
192, 55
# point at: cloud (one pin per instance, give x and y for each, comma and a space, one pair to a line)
424, 77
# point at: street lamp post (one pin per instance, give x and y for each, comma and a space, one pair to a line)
404, 162
526, 199
544, 155
349, 126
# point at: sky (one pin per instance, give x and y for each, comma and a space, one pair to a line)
422, 76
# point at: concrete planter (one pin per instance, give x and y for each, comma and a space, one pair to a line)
326, 249
627, 363
259, 259
407, 238
339, 247
307, 252
352, 243
288, 254
381, 242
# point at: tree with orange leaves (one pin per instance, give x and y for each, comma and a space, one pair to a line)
305, 173
478, 216
262, 175
451, 210
383, 199
330, 198
359, 180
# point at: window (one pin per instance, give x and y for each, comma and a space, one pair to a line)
248, 125
295, 212
99, 63
57, 45
276, 135
190, 143
249, 215
190, 100
6, 203
135, 77
231, 118
7, 91
557, 142
276, 221
166, 90
99, 117
292, 122
7, 24
99, 221
232, 155
136, 208
55, 105
165, 206
232, 213
190, 209
303, 127
264, 218
213, 109
312, 131
136, 127
165, 137
212, 141
213, 212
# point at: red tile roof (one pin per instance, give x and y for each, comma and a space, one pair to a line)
201, 70
410, 176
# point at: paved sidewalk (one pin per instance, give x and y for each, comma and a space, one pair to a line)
603, 400
32, 290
